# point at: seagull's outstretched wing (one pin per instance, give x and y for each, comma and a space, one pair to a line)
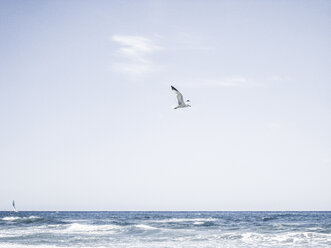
179, 96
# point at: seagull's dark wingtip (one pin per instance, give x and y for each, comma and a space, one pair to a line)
173, 88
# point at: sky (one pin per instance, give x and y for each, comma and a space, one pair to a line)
86, 109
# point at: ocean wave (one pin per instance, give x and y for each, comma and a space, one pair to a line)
187, 230
172, 220
285, 238
29, 220
15, 218
10, 218
267, 218
146, 227
78, 227
10, 245
198, 222
230, 236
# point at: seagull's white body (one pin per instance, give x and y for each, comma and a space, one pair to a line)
180, 99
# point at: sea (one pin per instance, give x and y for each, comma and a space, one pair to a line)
165, 229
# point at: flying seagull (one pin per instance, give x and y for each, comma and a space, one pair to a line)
181, 103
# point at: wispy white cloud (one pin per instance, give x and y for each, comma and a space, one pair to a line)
235, 82
279, 78
188, 41
230, 81
135, 55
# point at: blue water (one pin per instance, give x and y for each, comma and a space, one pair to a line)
165, 229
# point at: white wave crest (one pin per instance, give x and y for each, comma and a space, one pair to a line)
76, 227
285, 238
186, 220
32, 217
9, 245
198, 222
13, 218
145, 227
10, 218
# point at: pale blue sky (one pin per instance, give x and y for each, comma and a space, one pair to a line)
86, 118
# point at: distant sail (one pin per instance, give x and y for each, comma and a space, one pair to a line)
14, 208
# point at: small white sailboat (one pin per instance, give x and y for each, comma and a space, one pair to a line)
14, 208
